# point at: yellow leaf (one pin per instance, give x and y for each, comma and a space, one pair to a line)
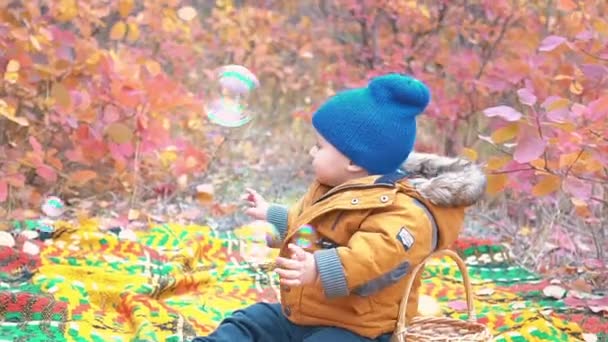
35, 43
187, 13
576, 88
560, 103
61, 94
119, 132
66, 10
469, 153
525, 231
125, 7
547, 185
497, 163
83, 176
566, 160
496, 183
12, 71
563, 77
600, 26
505, 133
13, 66
564, 126
133, 214
167, 158
8, 112
133, 32
153, 67
118, 31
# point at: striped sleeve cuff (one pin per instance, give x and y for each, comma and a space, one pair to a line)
277, 215
331, 272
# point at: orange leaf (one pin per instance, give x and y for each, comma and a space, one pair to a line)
153, 67
567, 160
125, 7
580, 207
82, 177
560, 103
547, 185
497, 183
133, 33
566, 5
61, 95
66, 10
119, 132
505, 133
204, 193
118, 31
497, 163
576, 88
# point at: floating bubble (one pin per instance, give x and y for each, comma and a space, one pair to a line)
228, 107
53, 206
305, 237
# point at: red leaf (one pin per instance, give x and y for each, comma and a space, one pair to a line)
35, 145
47, 173
551, 42
529, 147
3, 190
504, 112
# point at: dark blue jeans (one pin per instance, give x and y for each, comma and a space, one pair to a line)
263, 322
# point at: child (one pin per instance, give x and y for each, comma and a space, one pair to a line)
375, 222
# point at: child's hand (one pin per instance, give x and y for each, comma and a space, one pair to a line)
300, 269
257, 203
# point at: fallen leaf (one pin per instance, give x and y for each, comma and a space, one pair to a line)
133, 214
30, 248
204, 193
588, 337
187, 13
6, 239
554, 291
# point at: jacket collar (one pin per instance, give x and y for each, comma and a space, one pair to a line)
383, 181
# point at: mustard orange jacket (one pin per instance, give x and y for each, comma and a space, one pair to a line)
371, 232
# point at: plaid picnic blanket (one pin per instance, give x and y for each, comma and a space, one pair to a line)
171, 282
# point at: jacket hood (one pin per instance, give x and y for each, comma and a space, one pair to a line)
445, 181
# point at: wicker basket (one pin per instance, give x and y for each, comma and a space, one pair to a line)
440, 328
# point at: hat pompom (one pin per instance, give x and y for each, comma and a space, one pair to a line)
402, 89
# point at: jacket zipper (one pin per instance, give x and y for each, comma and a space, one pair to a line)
356, 186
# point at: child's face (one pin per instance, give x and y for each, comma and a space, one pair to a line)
330, 165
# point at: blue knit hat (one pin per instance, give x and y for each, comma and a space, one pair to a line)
374, 126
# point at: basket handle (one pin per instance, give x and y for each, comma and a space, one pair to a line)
401, 323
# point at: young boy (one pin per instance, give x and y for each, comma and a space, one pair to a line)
375, 222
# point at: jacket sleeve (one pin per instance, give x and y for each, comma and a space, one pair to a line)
281, 216
387, 245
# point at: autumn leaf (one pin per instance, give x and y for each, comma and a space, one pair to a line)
547, 185
61, 95
66, 10
204, 193
529, 147
470, 154
505, 133
81, 177
551, 42
496, 183
132, 32
187, 13
125, 7
505, 112
526, 96
11, 74
118, 31
497, 163
47, 173
119, 132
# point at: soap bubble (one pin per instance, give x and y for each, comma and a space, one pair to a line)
306, 236
228, 106
53, 207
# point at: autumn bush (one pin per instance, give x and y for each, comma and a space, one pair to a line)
108, 95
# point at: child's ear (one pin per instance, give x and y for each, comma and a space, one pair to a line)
352, 167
